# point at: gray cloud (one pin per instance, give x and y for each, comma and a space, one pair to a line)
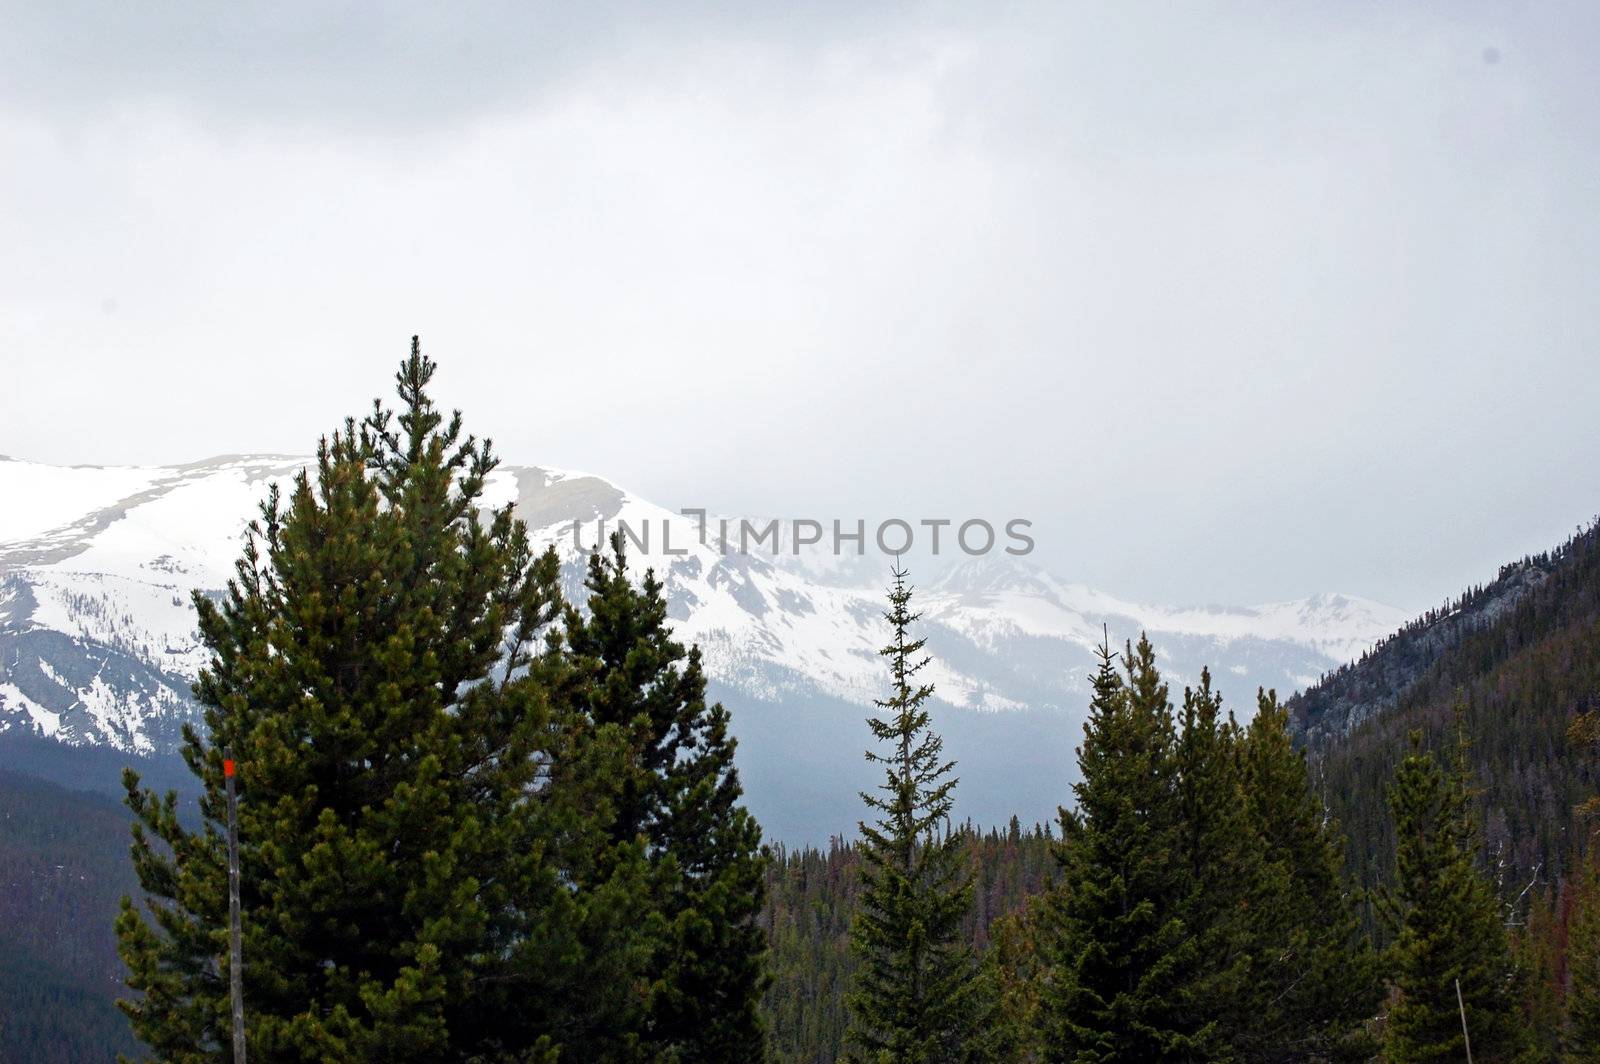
409, 66
1236, 304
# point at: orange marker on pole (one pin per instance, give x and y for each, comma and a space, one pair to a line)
235, 946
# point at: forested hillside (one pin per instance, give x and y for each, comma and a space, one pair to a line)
1522, 656
1387, 674
1523, 674
63, 867
480, 821
812, 896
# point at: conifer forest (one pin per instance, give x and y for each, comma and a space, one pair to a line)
480, 818
1054, 532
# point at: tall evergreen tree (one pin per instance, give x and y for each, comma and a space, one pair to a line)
377, 672
681, 796
1124, 961
1222, 860
918, 996
1449, 937
1315, 976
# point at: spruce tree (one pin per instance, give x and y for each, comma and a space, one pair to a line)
378, 672
680, 798
918, 997
1447, 925
1315, 976
1223, 862
1124, 961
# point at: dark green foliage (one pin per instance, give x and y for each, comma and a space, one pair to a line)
1124, 960
1484, 626
1203, 913
917, 994
419, 818
470, 836
1447, 922
1015, 965
63, 866
1527, 671
1581, 1040
812, 898
1538, 951
681, 795
1315, 977
1580, 1034
1516, 665
49, 1014
1223, 863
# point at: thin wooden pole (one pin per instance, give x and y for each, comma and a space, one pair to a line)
235, 945
1462, 1005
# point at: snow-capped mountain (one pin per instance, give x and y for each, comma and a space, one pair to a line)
97, 640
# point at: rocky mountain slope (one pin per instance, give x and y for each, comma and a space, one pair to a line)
97, 641
1356, 691
1519, 659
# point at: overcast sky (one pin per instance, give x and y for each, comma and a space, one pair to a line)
1237, 303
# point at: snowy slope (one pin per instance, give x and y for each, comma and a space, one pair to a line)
97, 642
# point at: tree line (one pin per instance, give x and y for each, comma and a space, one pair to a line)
1202, 911
479, 822
1196, 905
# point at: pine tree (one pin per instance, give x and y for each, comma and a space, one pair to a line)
1447, 925
1123, 960
377, 672
681, 796
918, 997
1315, 977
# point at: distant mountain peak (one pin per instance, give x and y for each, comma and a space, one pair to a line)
993, 573
97, 640
1385, 674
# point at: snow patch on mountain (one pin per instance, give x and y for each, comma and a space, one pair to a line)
41, 497
98, 642
12, 700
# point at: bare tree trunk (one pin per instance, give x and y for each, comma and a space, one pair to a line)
235, 946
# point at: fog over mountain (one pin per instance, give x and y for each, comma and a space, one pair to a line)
98, 647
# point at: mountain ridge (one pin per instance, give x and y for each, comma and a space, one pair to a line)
98, 645
1509, 666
